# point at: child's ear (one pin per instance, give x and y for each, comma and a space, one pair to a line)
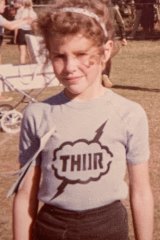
108, 47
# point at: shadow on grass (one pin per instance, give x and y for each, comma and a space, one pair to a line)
136, 88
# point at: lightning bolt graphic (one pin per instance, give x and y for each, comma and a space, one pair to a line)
99, 132
64, 183
60, 189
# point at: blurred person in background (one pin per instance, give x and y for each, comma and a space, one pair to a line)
25, 10
119, 21
9, 14
10, 25
137, 21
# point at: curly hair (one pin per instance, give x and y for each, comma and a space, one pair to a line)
53, 22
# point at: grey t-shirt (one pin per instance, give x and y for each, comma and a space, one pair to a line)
84, 162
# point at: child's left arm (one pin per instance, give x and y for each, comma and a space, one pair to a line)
141, 200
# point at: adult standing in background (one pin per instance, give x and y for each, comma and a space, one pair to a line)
138, 17
119, 21
26, 10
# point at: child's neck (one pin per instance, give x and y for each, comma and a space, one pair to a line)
86, 96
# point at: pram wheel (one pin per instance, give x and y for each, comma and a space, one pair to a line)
4, 108
11, 121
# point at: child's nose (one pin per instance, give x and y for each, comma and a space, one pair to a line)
71, 64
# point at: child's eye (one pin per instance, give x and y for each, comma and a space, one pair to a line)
58, 56
81, 54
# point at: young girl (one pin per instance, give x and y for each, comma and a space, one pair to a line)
96, 134
26, 10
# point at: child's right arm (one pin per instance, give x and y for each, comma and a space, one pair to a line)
12, 25
25, 205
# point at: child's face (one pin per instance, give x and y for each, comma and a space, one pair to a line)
78, 65
2, 6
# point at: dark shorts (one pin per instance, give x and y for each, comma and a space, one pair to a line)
20, 40
104, 223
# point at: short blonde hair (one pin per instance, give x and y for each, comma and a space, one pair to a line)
27, 3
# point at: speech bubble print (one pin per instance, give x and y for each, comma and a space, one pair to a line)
81, 161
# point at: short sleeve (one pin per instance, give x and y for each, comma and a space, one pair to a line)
29, 141
138, 137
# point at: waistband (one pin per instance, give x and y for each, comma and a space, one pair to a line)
99, 210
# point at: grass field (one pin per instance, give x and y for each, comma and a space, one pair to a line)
135, 75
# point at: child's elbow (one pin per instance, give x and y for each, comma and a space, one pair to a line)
9, 26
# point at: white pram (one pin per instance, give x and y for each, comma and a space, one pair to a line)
20, 78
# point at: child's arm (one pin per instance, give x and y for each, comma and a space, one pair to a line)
141, 200
12, 25
25, 205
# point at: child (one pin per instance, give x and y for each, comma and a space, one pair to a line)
96, 134
26, 10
